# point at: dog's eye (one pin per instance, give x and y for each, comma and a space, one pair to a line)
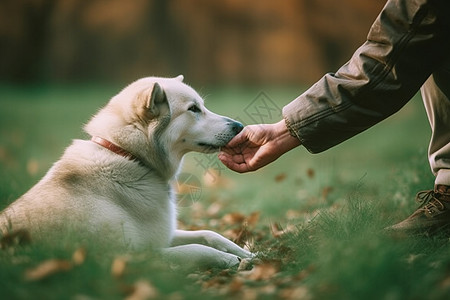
194, 108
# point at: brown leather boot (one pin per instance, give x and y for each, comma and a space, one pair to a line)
432, 216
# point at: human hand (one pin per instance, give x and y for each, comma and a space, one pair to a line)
256, 146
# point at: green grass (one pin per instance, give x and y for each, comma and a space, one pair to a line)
332, 206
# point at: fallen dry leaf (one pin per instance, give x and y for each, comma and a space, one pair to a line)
263, 272
299, 292
143, 289
326, 191
276, 230
280, 177
253, 218
232, 234
238, 235
32, 167
233, 218
118, 267
48, 268
79, 256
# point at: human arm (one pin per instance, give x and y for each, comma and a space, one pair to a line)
408, 41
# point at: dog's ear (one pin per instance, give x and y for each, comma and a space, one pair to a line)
156, 103
180, 78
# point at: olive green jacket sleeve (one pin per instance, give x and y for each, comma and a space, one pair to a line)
407, 42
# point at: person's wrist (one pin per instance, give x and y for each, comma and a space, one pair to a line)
284, 137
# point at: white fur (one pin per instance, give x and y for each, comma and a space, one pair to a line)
94, 190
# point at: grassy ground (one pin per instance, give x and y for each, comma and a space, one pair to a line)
316, 220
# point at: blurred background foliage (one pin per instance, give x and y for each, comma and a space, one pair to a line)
210, 42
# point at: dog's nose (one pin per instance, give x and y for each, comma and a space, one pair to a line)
236, 127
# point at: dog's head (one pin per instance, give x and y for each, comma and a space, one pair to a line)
153, 117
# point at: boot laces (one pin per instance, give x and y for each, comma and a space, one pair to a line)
428, 201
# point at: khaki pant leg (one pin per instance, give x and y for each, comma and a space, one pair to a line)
436, 97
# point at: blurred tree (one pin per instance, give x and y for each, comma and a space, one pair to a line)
338, 27
244, 41
170, 40
23, 37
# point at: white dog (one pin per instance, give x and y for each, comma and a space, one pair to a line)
120, 181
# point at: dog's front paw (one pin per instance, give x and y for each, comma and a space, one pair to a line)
217, 241
230, 260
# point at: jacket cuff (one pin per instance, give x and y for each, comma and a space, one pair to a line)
290, 114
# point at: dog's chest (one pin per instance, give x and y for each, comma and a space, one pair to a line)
145, 215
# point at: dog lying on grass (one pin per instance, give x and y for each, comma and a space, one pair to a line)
120, 181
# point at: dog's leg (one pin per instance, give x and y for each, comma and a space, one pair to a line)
211, 239
194, 256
